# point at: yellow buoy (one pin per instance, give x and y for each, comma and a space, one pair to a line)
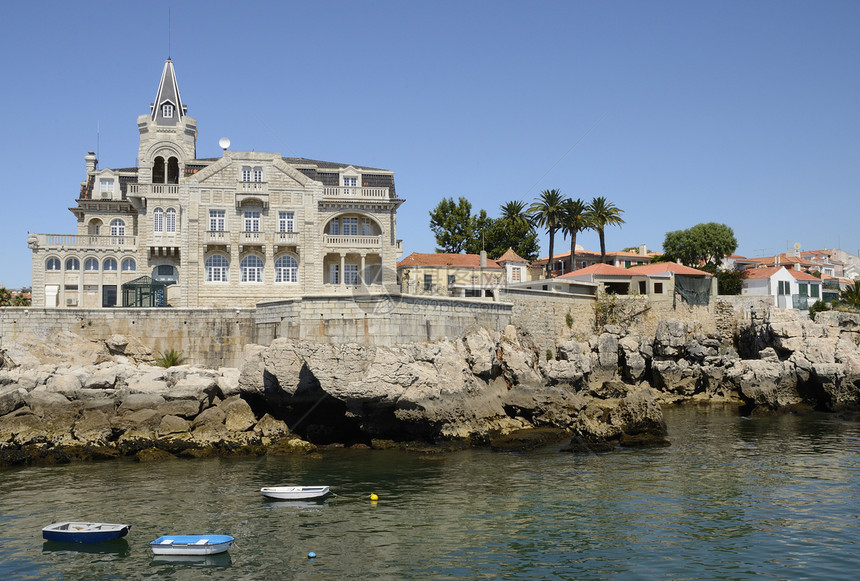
374, 497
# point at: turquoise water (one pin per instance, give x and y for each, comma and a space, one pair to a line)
732, 498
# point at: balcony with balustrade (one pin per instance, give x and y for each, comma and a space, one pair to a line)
144, 190
357, 193
351, 242
81, 242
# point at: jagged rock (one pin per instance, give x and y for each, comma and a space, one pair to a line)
22, 428
47, 403
138, 401
173, 425
93, 427
238, 414
569, 372
184, 408
11, 398
269, 429
210, 433
481, 352
770, 384
670, 337
228, 382
195, 387
103, 379
678, 377
213, 415
116, 344
640, 420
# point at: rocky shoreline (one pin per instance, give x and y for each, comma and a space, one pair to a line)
64, 399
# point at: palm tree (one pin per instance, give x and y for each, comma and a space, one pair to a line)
851, 294
548, 212
514, 214
602, 214
576, 220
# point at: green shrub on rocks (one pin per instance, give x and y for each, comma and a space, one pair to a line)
170, 358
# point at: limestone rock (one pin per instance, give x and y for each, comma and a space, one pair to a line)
238, 414
11, 398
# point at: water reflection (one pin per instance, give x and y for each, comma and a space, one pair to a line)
731, 498
220, 560
118, 547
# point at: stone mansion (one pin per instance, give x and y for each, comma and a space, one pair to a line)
238, 230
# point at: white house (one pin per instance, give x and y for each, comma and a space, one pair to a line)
790, 289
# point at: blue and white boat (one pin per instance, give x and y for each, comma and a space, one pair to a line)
84, 532
191, 544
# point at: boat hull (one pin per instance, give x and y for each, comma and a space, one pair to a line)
295, 492
191, 544
84, 532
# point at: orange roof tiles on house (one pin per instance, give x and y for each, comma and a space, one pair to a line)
672, 267
800, 275
452, 260
764, 272
510, 256
598, 270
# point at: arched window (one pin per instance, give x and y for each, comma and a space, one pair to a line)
216, 268
286, 269
158, 170
117, 227
129, 265
158, 220
252, 269
109, 264
170, 223
172, 171
94, 227
73, 264
91, 264
52, 264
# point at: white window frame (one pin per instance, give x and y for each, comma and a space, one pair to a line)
252, 268
286, 269
53, 264
350, 182
158, 220
167, 111
349, 226
334, 274
246, 174
170, 221
106, 187
217, 268
350, 274
366, 227
334, 227
252, 222
258, 174
217, 220
129, 265
286, 221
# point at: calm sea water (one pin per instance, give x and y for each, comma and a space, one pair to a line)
732, 498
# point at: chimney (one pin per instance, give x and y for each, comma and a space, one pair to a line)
643, 250
92, 162
483, 258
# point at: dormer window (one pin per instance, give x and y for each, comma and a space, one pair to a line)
106, 187
350, 182
167, 111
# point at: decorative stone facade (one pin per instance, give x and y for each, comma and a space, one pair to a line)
233, 231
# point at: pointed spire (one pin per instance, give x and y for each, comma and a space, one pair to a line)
167, 108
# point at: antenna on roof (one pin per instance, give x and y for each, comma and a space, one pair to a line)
98, 135
168, 34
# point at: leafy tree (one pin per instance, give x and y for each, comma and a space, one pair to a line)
851, 294
576, 219
20, 300
453, 224
5, 297
730, 282
523, 239
703, 244
601, 214
481, 226
548, 212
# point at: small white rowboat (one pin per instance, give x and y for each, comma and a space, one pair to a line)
294, 492
191, 544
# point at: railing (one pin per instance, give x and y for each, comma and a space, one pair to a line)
347, 192
218, 237
286, 237
251, 237
252, 186
85, 240
332, 241
153, 189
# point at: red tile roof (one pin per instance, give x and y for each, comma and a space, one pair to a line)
672, 267
598, 270
800, 275
511, 256
765, 272
452, 260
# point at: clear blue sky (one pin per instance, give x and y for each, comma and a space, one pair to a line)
745, 113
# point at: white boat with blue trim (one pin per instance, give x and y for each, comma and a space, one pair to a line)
191, 544
295, 492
